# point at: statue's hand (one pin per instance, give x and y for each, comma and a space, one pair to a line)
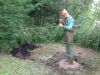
61, 21
61, 25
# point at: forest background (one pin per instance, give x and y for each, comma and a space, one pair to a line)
36, 21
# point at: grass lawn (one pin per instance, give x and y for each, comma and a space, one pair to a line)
13, 66
10, 65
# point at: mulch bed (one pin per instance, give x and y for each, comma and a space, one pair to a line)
24, 51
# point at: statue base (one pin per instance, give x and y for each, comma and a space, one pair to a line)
66, 65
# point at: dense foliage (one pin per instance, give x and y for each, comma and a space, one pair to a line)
13, 14
18, 16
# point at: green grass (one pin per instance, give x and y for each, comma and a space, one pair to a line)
13, 66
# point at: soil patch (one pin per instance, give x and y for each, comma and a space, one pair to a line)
53, 63
84, 67
24, 52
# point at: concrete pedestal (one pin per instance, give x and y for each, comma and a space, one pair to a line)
66, 65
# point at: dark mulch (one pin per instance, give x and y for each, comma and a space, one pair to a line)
24, 51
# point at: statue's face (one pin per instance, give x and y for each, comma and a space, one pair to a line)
64, 14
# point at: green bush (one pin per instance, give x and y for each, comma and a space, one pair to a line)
88, 36
47, 34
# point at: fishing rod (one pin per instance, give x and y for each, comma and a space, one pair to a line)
47, 27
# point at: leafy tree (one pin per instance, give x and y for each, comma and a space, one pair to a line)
80, 10
13, 14
97, 10
45, 9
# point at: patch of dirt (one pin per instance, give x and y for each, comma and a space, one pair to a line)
53, 63
84, 56
24, 51
84, 68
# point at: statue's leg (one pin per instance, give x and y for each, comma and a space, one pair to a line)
71, 54
69, 48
